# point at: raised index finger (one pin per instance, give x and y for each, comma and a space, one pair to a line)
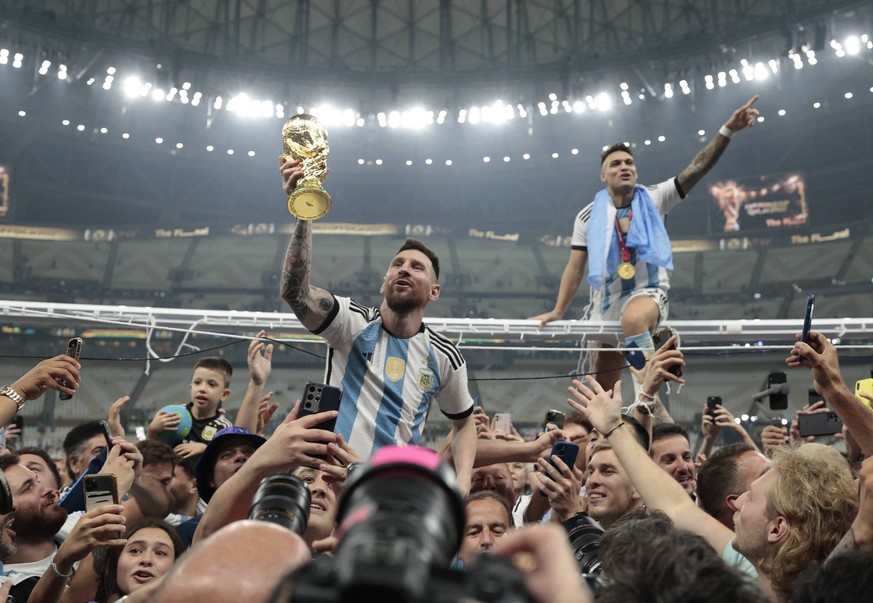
752, 101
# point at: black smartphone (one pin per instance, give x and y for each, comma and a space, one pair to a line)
807, 321
566, 451
100, 489
18, 421
777, 401
555, 417
813, 396
660, 339
107, 435
74, 349
711, 403
819, 424
318, 397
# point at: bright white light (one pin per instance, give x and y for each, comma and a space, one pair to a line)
744, 417
110, 70
506, 159
125, 135
853, 45
196, 100
555, 155
474, 115
22, 114
80, 127
662, 138
360, 122
66, 122
441, 117
578, 107
382, 119
848, 95
486, 159
159, 140
701, 132
360, 162
62, 72
448, 162
378, 162
668, 90
760, 119
647, 142
409, 162
574, 151
462, 116
604, 103
816, 105
623, 85
428, 161
760, 71
17, 58
781, 112
132, 87
553, 96
210, 148
394, 119
416, 118
526, 156
104, 130
179, 145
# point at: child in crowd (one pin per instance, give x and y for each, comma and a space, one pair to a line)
209, 388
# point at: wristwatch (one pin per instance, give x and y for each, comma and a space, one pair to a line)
13, 395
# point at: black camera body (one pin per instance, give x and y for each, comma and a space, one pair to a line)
400, 523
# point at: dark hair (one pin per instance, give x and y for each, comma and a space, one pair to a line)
76, 438
37, 451
675, 566
155, 451
216, 363
419, 246
7, 460
188, 464
618, 146
491, 495
106, 559
718, 477
625, 535
662, 431
574, 417
846, 577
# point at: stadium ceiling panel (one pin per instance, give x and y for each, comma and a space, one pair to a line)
407, 42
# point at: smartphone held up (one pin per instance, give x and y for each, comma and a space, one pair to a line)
74, 350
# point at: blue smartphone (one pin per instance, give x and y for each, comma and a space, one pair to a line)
807, 321
566, 451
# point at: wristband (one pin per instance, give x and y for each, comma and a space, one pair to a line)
726, 132
612, 431
647, 408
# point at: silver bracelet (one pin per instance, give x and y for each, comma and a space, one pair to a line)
58, 572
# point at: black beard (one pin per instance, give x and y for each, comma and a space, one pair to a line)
38, 526
401, 305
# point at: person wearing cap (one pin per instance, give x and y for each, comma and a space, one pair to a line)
296, 443
225, 454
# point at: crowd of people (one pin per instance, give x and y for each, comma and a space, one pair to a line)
607, 503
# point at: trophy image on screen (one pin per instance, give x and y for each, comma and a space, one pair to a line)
305, 139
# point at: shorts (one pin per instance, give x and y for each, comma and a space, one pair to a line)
659, 296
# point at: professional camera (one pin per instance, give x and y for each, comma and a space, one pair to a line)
400, 523
585, 538
282, 499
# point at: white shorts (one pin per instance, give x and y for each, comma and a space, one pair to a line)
659, 296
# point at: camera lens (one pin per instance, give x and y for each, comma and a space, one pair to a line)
282, 499
399, 511
585, 541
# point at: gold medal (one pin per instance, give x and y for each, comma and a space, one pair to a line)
626, 270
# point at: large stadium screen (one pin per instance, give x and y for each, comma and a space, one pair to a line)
760, 203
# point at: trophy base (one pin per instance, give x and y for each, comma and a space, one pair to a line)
309, 202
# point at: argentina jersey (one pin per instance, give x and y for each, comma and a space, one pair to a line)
389, 382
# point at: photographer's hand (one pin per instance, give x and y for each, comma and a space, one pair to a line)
555, 575
562, 485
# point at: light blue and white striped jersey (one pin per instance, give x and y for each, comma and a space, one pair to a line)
388, 382
665, 196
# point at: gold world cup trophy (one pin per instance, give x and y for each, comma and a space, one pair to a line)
305, 139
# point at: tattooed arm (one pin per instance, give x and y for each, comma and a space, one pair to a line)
311, 304
860, 535
742, 118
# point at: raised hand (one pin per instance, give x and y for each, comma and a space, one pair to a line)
601, 407
744, 117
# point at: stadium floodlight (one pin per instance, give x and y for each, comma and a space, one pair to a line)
474, 115
852, 45
668, 90
604, 102
761, 71
158, 94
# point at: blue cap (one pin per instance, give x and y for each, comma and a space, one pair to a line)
203, 470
